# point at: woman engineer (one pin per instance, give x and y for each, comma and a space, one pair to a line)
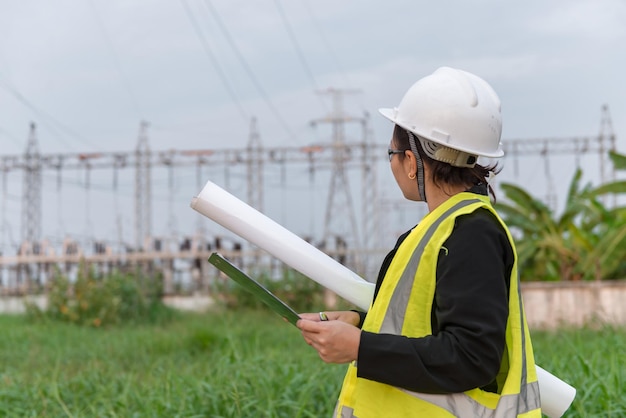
446, 334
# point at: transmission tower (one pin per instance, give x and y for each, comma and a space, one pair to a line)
369, 190
143, 196
255, 168
577, 146
339, 206
606, 134
31, 194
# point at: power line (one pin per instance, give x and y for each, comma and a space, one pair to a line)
298, 49
15, 140
247, 68
336, 157
327, 45
214, 61
116, 61
296, 45
47, 119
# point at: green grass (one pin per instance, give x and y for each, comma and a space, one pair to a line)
220, 365
591, 360
225, 364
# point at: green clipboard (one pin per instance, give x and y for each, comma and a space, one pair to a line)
252, 286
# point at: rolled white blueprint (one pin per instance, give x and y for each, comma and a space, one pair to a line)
250, 224
238, 217
556, 395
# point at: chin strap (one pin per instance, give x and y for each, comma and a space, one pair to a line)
420, 166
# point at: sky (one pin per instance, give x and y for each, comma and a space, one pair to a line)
88, 72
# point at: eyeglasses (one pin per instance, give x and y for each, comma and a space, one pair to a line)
390, 152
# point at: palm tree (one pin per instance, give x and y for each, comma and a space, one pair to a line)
541, 238
610, 251
586, 242
619, 160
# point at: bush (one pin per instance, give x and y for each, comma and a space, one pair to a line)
102, 301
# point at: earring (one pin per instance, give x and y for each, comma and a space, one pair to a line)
411, 176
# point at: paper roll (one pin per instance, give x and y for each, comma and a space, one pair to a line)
556, 395
250, 224
245, 221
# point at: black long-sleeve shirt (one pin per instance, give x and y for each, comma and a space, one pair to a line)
468, 317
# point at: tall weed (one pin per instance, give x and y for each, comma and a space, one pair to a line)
102, 301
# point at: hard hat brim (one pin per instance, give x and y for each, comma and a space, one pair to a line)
391, 114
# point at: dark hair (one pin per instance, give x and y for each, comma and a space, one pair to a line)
444, 172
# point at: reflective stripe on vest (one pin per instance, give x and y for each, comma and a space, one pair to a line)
392, 324
346, 412
462, 405
458, 404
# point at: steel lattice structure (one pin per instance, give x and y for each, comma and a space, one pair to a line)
337, 156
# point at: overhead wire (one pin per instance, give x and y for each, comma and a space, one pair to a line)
214, 61
328, 46
116, 61
331, 52
247, 69
15, 140
294, 41
47, 119
296, 45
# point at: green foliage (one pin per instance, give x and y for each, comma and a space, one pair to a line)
587, 241
102, 301
236, 364
619, 160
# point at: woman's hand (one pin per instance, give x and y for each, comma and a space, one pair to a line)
349, 317
337, 339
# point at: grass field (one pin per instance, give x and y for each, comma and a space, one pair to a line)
248, 364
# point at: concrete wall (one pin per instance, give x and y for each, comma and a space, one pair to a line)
15, 304
549, 305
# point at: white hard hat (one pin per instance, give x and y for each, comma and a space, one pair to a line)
453, 110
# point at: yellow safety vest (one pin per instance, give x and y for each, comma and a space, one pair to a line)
403, 307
